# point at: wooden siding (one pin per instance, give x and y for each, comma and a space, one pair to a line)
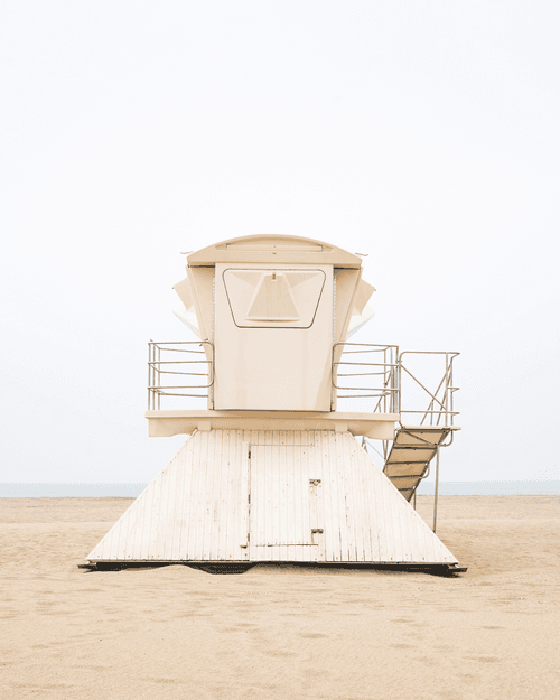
263, 495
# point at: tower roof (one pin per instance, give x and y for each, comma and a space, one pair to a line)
274, 249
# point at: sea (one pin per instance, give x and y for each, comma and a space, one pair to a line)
457, 488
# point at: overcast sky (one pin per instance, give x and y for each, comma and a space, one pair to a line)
425, 134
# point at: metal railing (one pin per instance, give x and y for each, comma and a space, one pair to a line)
440, 411
359, 371
379, 363
165, 376
395, 388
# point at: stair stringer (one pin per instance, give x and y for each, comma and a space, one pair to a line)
412, 450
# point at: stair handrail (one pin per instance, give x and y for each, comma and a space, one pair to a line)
445, 409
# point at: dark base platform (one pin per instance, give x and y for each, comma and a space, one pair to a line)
228, 568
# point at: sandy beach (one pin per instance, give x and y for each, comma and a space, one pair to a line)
282, 631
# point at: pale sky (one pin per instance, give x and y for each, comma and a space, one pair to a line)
425, 134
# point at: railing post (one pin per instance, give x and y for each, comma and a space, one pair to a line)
158, 376
437, 490
398, 381
451, 409
333, 383
153, 382
149, 375
152, 403
446, 390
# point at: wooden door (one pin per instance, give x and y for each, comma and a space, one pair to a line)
285, 503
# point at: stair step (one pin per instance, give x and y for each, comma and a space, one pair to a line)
412, 450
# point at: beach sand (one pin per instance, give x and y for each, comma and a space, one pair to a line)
282, 632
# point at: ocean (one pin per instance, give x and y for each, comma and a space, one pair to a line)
465, 488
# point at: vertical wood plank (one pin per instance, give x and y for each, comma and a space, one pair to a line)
138, 515
163, 506
202, 477
371, 543
180, 494
301, 438
343, 522
357, 468
147, 521
321, 515
349, 496
191, 478
230, 507
330, 497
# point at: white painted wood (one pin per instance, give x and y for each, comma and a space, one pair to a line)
380, 426
273, 367
198, 509
274, 249
346, 283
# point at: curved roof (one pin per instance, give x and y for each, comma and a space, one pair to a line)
274, 249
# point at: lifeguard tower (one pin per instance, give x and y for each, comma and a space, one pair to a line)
272, 470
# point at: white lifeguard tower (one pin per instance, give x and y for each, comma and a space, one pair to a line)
271, 470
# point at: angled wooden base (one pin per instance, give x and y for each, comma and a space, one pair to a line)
245, 496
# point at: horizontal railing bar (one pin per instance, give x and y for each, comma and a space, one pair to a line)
179, 342
184, 374
356, 352
441, 412
186, 362
428, 352
362, 345
175, 362
384, 389
361, 374
382, 392
365, 364
157, 387
183, 350
195, 396
376, 392
190, 352
360, 396
155, 365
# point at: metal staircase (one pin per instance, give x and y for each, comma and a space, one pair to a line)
396, 389
411, 453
